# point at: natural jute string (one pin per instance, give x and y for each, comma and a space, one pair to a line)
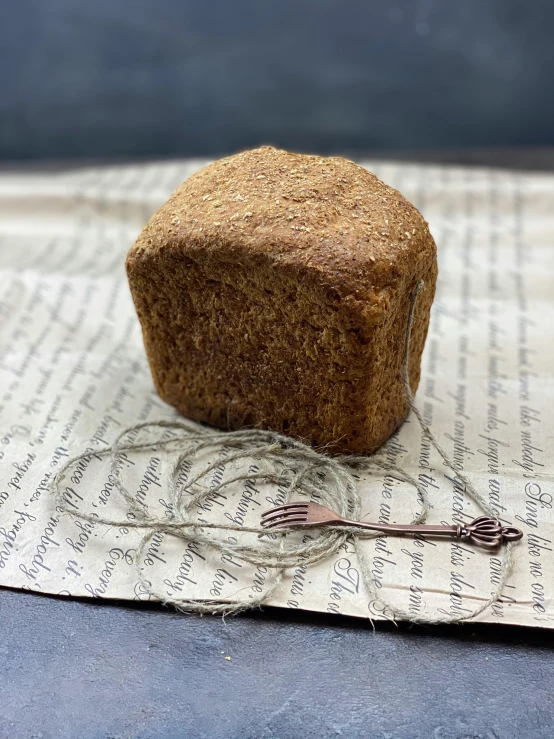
286, 463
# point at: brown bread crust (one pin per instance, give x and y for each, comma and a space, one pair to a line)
273, 290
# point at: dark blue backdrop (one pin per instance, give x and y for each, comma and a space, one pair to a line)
195, 77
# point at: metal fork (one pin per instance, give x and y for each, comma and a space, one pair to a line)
485, 531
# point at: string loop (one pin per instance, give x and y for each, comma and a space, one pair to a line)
294, 468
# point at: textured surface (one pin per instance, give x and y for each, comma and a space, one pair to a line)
183, 77
73, 670
273, 290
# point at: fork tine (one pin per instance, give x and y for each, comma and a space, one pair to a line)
285, 508
283, 516
283, 523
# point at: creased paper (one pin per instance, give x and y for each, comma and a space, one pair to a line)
73, 375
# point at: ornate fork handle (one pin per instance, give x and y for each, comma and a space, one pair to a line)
484, 531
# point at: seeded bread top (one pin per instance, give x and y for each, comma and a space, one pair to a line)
325, 214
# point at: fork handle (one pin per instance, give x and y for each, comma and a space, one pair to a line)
484, 531
425, 529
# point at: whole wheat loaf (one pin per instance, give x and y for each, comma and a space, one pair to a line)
273, 290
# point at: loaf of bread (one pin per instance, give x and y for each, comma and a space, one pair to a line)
273, 290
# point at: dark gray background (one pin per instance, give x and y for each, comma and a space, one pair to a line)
77, 670
204, 77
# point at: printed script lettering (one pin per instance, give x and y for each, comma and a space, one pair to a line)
73, 375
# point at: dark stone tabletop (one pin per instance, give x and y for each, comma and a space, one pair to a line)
90, 670
99, 670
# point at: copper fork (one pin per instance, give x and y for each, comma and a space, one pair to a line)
485, 531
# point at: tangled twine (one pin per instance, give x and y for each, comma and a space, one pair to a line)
287, 463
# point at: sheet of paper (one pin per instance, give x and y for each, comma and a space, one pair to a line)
73, 375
